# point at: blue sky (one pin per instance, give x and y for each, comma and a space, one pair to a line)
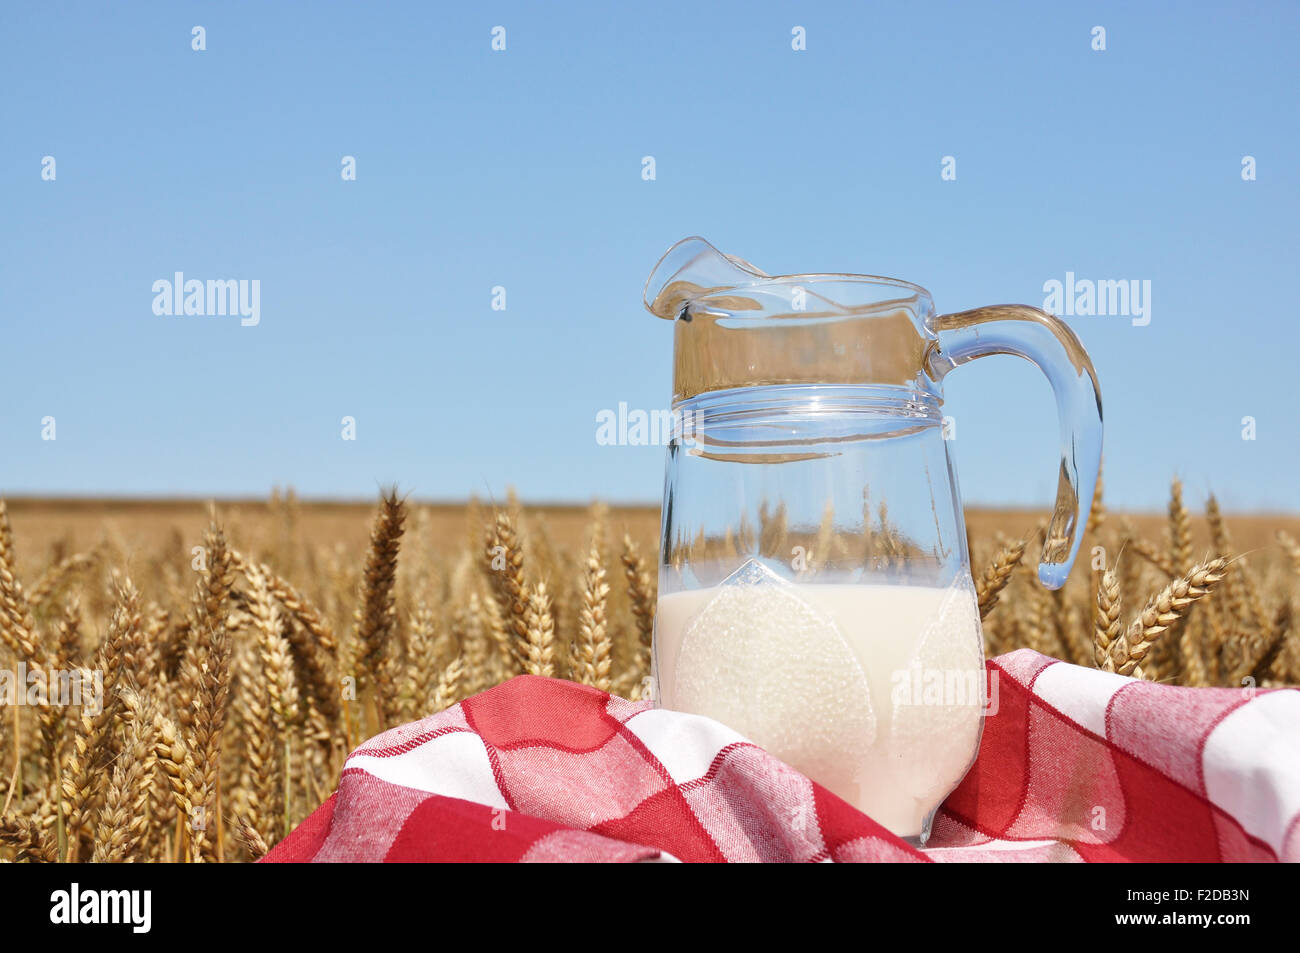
522, 169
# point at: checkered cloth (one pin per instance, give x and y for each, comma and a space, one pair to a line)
1075, 765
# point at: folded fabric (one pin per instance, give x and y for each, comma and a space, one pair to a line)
1074, 765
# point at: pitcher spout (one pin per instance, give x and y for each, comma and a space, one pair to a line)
690, 269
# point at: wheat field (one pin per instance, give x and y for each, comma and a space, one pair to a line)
243, 649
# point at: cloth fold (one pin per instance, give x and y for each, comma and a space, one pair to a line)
1074, 765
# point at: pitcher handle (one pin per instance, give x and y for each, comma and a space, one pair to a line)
1049, 344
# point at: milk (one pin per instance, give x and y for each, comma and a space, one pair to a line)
874, 691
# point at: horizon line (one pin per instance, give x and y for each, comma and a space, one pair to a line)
177, 500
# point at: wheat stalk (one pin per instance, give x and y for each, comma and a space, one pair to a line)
310, 639
1153, 556
1180, 530
376, 616
123, 820
505, 567
1097, 512
640, 591
58, 574
1192, 657
17, 628
27, 838
1244, 601
1106, 624
539, 633
259, 794
447, 691
1162, 610
277, 660
1291, 547
208, 675
83, 779
995, 577
1258, 664
250, 839
594, 646
186, 781
476, 644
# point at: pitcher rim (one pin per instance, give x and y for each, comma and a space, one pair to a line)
918, 291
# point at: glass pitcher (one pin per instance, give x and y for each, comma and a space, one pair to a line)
815, 592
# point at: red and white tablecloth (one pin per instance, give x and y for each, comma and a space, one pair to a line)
1076, 765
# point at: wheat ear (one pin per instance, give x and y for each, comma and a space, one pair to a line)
27, 837
1152, 555
84, 778
995, 578
250, 839
540, 629
310, 640
17, 628
184, 778
207, 672
123, 821
1258, 664
594, 647
505, 565
640, 592
1291, 547
1106, 624
1180, 529
1165, 608
447, 692
376, 615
